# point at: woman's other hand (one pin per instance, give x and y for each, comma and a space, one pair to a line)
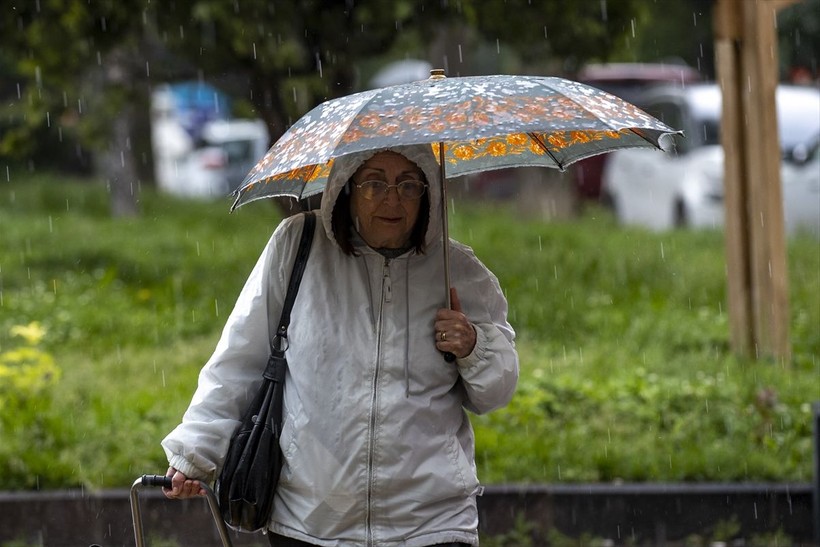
181, 486
453, 331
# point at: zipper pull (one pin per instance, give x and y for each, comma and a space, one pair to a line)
387, 284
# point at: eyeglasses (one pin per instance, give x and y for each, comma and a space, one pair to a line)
376, 190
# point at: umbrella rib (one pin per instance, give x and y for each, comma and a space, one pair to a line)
541, 144
647, 139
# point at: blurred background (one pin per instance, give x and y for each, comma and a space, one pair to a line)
124, 125
186, 97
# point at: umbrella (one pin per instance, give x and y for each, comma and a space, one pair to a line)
474, 123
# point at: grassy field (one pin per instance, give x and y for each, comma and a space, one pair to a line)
623, 337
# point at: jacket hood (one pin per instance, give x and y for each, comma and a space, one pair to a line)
345, 166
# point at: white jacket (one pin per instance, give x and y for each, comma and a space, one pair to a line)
377, 444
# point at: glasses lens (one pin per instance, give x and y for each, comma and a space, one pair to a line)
411, 189
373, 189
378, 189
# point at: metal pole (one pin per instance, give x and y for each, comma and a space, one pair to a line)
164, 481
448, 356
444, 227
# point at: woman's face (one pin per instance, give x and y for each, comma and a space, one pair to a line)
386, 220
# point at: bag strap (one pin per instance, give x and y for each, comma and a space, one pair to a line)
299, 264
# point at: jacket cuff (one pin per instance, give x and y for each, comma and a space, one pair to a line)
479, 350
186, 468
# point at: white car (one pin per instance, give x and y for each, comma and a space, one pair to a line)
801, 188
212, 167
683, 186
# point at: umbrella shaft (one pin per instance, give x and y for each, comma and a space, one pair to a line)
444, 227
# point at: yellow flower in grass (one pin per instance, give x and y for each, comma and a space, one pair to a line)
31, 333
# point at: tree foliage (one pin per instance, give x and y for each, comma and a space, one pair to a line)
566, 30
85, 67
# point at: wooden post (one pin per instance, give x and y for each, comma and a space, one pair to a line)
728, 34
747, 68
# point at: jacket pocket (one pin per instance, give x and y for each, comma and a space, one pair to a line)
463, 468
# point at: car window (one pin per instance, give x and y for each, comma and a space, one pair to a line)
238, 151
708, 132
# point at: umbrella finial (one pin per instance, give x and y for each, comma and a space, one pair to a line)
437, 74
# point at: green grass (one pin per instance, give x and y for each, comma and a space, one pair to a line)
623, 336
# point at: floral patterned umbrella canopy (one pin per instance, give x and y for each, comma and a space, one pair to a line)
479, 123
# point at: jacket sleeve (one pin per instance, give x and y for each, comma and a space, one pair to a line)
232, 375
490, 373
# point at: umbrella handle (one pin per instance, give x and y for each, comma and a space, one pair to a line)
448, 356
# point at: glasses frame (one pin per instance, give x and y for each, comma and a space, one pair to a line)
387, 188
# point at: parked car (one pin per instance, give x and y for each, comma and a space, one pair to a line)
683, 186
627, 81
215, 164
801, 187
198, 149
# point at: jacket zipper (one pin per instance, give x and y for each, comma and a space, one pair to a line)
386, 296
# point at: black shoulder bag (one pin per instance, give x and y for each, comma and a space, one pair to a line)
249, 476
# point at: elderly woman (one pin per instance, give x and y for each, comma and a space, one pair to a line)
378, 447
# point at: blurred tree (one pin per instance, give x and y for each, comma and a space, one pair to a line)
798, 29
86, 66
681, 30
74, 59
567, 31
671, 31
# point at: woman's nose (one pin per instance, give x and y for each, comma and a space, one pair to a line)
392, 195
